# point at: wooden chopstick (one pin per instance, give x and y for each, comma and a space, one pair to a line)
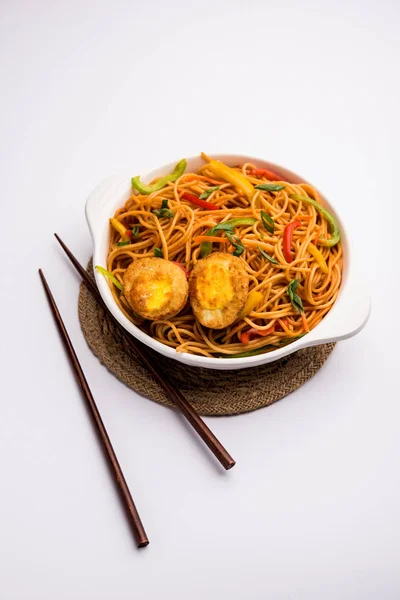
173, 394
134, 518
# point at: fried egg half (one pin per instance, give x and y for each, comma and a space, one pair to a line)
155, 288
218, 288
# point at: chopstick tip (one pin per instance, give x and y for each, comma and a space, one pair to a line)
59, 240
42, 277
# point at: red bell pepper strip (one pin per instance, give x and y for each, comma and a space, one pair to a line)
287, 239
266, 173
196, 200
253, 332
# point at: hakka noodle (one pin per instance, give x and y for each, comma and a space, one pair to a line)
224, 262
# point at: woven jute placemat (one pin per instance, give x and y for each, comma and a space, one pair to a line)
212, 392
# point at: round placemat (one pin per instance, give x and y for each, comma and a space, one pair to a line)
210, 391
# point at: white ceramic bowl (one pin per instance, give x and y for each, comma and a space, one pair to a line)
347, 317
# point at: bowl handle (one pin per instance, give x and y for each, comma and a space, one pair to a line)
345, 319
96, 204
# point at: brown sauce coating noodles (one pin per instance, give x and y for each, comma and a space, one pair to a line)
176, 238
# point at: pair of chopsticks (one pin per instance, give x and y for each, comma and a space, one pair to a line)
173, 394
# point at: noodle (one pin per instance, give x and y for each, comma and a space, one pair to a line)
175, 237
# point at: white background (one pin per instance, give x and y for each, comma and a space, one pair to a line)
311, 511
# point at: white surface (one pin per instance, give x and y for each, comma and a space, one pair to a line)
311, 510
342, 322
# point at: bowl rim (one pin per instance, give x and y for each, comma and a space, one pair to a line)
106, 198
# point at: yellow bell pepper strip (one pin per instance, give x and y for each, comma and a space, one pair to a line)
218, 169
334, 228
143, 188
318, 257
122, 230
110, 277
253, 299
229, 226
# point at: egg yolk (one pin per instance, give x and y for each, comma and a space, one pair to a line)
214, 287
156, 291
